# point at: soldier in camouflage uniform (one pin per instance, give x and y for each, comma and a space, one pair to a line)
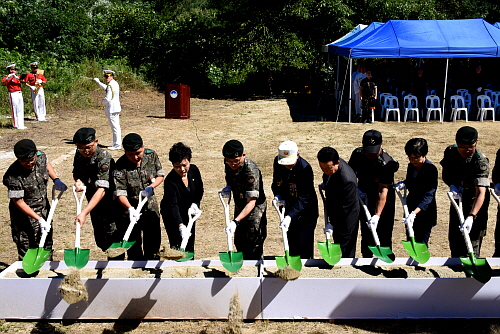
26, 180
466, 171
139, 171
244, 179
92, 168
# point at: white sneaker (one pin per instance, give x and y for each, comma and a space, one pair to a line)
22, 128
114, 147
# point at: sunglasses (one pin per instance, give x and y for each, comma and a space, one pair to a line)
107, 75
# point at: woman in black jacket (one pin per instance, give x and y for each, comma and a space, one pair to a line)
182, 196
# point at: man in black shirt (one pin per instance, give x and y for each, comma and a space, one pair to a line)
368, 94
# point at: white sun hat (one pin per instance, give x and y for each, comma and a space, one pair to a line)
287, 153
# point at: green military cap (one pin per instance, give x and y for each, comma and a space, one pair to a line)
25, 149
232, 149
84, 136
132, 142
466, 135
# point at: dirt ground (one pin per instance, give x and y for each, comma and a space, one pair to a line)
260, 125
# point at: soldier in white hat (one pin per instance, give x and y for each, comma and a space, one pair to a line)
35, 81
112, 105
13, 83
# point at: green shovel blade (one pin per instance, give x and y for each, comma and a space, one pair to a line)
293, 262
187, 256
417, 250
232, 261
77, 257
34, 259
383, 253
122, 244
330, 252
478, 268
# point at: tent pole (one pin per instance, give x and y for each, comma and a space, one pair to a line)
350, 88
444, 93
337, 85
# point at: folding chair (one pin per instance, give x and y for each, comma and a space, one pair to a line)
433, 103
484, 105
457, 103
410, 104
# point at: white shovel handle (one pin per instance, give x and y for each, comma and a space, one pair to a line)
226, 216
79, 204
53, 205
192, 219
402, 197
133, 221
458, 208
281, 214
369, 216
325, 211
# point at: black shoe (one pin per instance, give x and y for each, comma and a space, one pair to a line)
357, 119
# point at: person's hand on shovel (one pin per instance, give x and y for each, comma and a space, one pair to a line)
134, 214
279, 201
285, 223
328, 228
183, 230
193, 210
59, 185
497, 189
373, 222
231, 227
44, 226
410, 219
399, 186
457, 192
467, 224
226, 192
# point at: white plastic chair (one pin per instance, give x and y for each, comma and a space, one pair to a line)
392, 106
410, 104
495, 100
484, 105
457, 103
433, 103
382, 102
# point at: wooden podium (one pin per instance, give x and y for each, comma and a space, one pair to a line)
177, 101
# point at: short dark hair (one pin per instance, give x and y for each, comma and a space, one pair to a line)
328, 154
179, 152
417, 146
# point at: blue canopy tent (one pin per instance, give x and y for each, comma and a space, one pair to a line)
425, 39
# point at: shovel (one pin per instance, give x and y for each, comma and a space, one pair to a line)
383, 253
232, 261
494, 195
417, 250
478, 268
293, 262
188, 255
329, 251
77, 257
125, 244
34, 258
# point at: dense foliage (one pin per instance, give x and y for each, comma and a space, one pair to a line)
208, 44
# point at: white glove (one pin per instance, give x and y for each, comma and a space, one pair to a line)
11, 75
410, 219
193, 210
497, 189
373, 222
59, 185
184, 232
226, 192
133, 214
399, 186
328, 229
457, 192
479, 89
44, 226
285, 223
32, 87
231, 227
279, 201
38, 81
147, 192
467, 224
97, 80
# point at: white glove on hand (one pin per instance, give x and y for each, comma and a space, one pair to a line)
279, 201
133, 214
10, 75
457, 192
328, 229
184, 232
32, 87
399, 186
38, 81
479, 89
193, 210
231, 227
44, 226
285, 223
410, 219
373, 222
226, 192
147, 192
467, 224
97, 80
497, 189
59, 185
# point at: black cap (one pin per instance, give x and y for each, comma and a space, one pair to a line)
372, 140
132, 142
232, 149
466, 135
25, 149
84, 136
